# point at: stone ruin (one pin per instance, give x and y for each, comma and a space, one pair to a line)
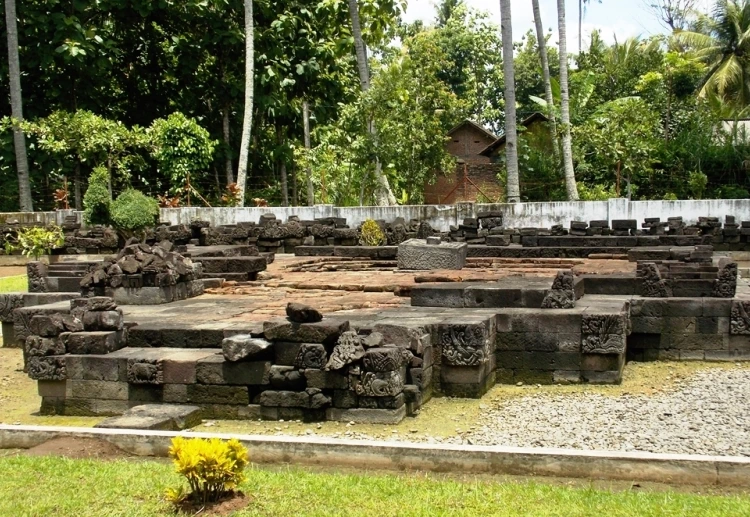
144, 275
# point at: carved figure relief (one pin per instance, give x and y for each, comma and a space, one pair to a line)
47, 368
739, 320
380, 384
348, 350
146, 371
603, 334
311, 356
464, 345
725, 285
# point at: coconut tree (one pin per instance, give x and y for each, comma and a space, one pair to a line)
511, 136
567, 145
542, 43
247, 119
383, 193
722, 41
16, 108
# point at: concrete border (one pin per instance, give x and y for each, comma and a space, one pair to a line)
627, 466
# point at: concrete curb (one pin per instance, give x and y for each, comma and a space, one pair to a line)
628, 466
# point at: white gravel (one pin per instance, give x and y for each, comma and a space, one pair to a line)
707, 414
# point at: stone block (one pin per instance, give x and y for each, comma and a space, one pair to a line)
678, 325
102, 320
468, 390
175, 393
97, 390
411, 338
417, 254
215, 370
311, 355
50, 368
566, 377
180, 367
102, 342
52, 388
382, 402
285, 352
286, 378
602, 362
322, 379
646, 325
345, 399
438, 295
145, 371
609, 377
243, 346
603, 333
212, 394
420, 377
462, 374
164, 417
325, 332
37, 346
46, 325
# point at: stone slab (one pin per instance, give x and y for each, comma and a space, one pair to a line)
163, 417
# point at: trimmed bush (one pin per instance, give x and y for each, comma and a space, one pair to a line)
96, 200
133, 211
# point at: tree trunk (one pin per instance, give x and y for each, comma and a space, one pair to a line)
580, 23
228, 144
282, 168
295, 197
77, 185
570, 177
16, 107
306, 122
383, 193
247, 119
511, 137
542, 42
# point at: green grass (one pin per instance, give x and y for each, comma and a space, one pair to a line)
55, 486
13, 284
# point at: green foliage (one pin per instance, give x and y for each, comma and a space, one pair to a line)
181, 148
133, 212
212, 467
595, 193
35, 241
697, 182
370, 234
96, 200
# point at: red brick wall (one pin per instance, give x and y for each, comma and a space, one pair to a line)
481, 184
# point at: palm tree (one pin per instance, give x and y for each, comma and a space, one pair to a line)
247, 119
570, 177
16, 108
542, 43
383, 193
722, 42
511, 137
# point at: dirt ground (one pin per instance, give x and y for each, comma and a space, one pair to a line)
12, 271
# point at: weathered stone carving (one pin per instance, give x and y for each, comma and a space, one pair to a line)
652, 284
50, 368
562, 295
37, 346
380, 384
464, 345
37, 277
418, 254
300, 313
145, 371
8, 303
348, 350
603, 334
384, 359
725, 285
739, 321
311, 356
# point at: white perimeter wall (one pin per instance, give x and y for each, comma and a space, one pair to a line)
540, 215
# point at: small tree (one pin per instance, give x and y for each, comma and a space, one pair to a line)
97, 201
183, 151
35, 241
133, 212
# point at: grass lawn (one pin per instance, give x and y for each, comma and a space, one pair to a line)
13, 284
56, 486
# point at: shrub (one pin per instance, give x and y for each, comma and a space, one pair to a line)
133, 211
370, 234
36, 241
213, 468
96, 200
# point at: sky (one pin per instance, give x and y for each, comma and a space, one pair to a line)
619, 19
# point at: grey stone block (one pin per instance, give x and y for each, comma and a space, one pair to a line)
345, 399
165, 417
438, 295
102, 320
463, 374
215, 370
325, 332
285, 352
206, 394
175, 393
417, 254
382, 402
98, 390
102, 342
322, 379
243, 346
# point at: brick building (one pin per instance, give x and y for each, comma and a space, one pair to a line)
475, 176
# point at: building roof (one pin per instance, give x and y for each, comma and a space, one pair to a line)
478, 127
534, 117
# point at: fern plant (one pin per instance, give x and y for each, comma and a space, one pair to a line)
213, 468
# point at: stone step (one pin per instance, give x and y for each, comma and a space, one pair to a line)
61, 284
162, 417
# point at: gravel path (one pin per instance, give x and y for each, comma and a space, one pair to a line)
707, 414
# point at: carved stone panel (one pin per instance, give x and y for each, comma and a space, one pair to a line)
37, 346
380, 384
145, 371
348, 350
311, 356
725, 285
385, 359
9, 302
50, 368
559, 300
603, 333
37, 277
652, 284
464, 345
739, 320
